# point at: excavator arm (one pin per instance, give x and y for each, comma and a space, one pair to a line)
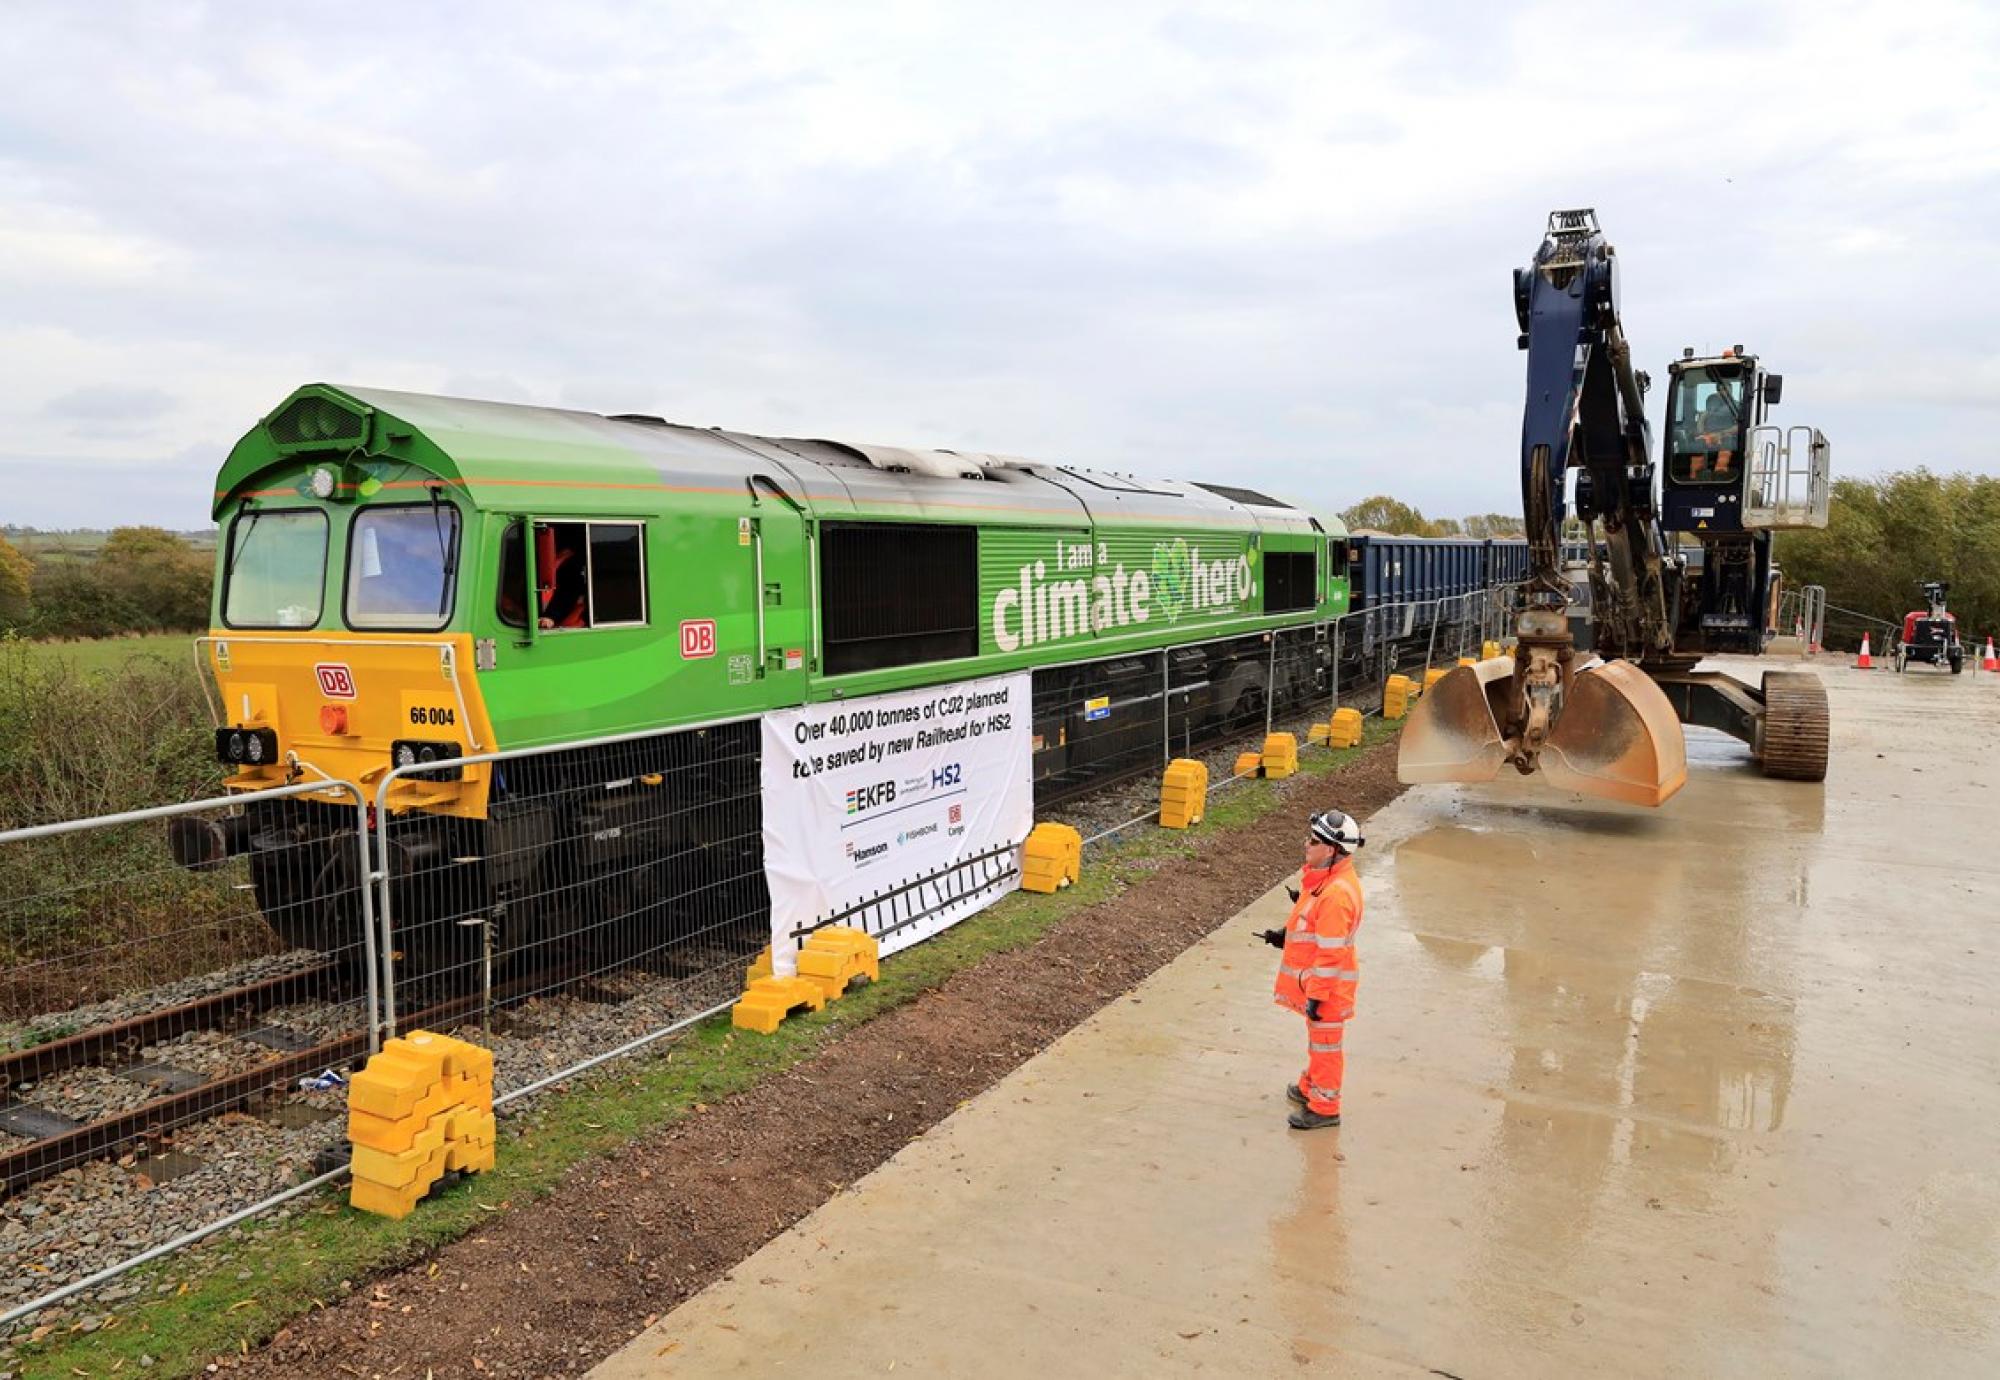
1604, 729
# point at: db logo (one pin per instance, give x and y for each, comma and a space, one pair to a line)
336, 682
697, 638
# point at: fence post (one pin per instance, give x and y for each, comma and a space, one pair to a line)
1270, 681
1437, 611
1334, 708
1166, 706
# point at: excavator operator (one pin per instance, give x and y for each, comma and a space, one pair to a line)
1318, 972
1716, 432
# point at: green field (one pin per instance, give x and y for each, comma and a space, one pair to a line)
110, 654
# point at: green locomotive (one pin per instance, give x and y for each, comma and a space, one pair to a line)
409, 579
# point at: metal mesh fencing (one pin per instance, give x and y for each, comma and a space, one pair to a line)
168, 980
559, 904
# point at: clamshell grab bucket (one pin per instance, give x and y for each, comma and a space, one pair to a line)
1454, 731
1617, 738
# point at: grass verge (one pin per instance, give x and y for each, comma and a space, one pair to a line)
237, 1290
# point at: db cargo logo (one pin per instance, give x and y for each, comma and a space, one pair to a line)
697, 638
861, 799
336, 682
957, 814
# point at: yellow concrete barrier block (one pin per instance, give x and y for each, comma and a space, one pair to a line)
1345, 730
830, 970
760, 966
1434, 675
1397, 693
769, 1000
395, 1081
1248, 764
1318, 733
405, 1168
393, 1135
382, 1201
1281, 755
1489, 650
1183, 793
1468, 661
1052, 857
469, 1159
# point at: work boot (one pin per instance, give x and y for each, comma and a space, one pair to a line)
1306, 1119
1292, 1091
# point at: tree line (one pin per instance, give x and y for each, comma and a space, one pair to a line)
1381, 513
1885, 536
142, 579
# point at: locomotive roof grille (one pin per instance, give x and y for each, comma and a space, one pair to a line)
316, 422
1246, 496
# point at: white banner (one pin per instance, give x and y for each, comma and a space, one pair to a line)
898, 814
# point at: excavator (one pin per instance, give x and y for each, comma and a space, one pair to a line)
1595, 700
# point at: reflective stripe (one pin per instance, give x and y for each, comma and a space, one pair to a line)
1319, 1048
1335, 944
1290, 971
1340, 974
1314, 1090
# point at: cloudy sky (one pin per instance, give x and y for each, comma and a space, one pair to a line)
1263, 244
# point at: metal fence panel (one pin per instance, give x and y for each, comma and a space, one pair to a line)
157, 1019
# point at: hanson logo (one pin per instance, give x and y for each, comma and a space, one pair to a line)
863, 856
861, 799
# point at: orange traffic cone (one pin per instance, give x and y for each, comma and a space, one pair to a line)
1989, 662
1864, 662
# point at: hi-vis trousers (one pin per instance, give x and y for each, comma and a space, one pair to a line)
1325, 1064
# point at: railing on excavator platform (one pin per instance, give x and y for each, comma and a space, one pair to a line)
1789, 483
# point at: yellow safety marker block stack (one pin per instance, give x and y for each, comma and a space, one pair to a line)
1248, 764
1468, 661
1281, 756
423, 1106
1434, 675
829, 961
768, 1000
1183, 793
1345, 730
838, 955
1397, 692
1051, 858
1489, 650
1318, 733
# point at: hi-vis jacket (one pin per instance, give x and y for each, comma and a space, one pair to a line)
1319, 960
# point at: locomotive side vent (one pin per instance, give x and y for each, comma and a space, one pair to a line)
316, 421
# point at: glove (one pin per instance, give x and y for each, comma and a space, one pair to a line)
1312, 1008
1275, 938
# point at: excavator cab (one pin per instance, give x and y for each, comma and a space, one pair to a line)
1727, 469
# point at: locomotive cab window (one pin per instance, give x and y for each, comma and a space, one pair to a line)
275, 572
894, 594
1291, 581
587, 575
402, 567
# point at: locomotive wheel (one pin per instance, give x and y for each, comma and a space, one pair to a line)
1795, 726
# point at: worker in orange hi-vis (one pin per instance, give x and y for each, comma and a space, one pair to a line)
1318, 973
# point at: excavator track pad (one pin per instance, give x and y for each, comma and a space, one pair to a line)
1795, 731
1617, 738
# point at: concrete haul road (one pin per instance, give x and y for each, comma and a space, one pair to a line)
1712, 1090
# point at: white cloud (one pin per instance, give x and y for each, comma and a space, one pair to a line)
1274, 241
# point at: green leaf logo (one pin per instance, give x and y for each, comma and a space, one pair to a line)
1173, 571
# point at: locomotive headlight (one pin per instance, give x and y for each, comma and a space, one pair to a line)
324, 482
246, 747
417, 752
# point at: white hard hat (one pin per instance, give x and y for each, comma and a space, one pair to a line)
1343, 831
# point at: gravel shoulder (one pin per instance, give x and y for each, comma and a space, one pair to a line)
551, 1287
